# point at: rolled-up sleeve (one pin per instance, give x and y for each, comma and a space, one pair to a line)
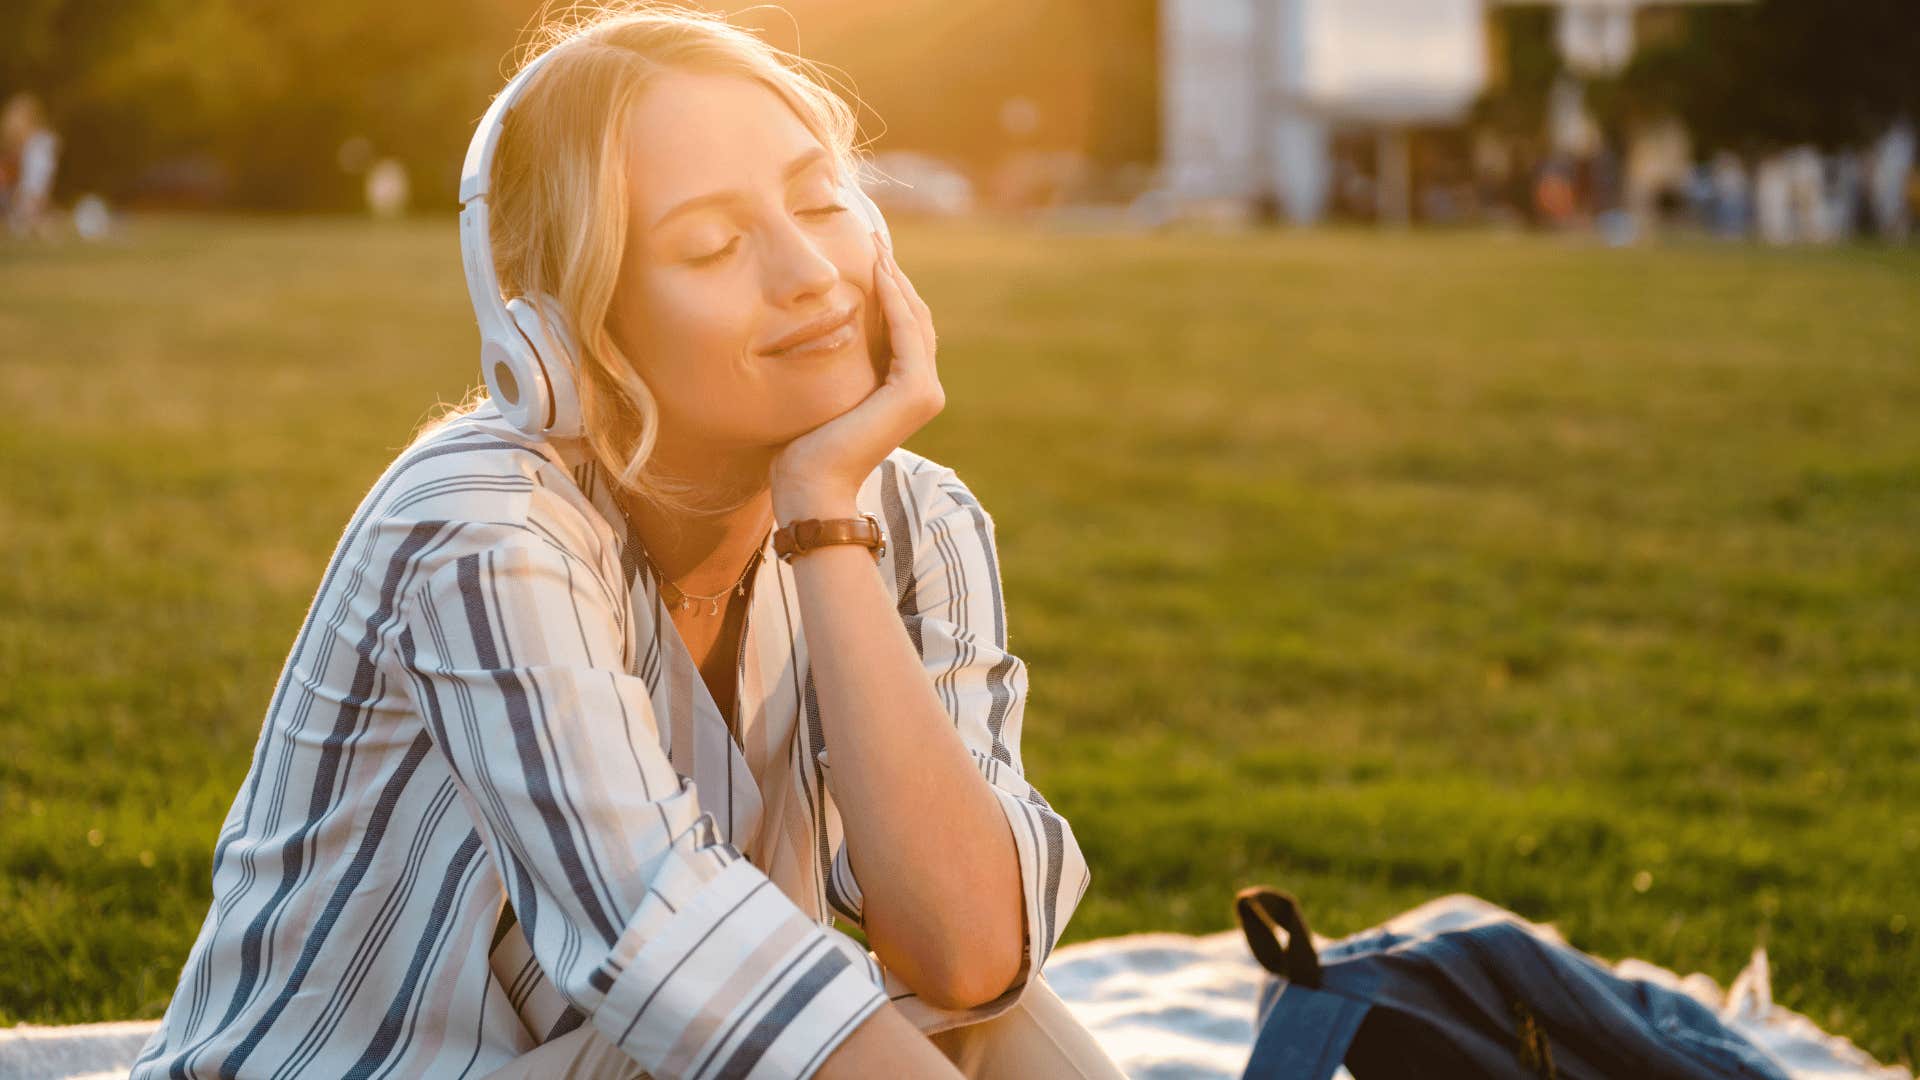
948, 583
677, 948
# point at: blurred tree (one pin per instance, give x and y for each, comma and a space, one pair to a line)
264, 92
256, 97
1782, 72
933, 74
1745, 77
1524, 61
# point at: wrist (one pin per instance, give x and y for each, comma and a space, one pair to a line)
794, 501
806, 535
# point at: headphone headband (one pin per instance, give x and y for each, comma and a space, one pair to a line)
476, 173
476, 178
526, 352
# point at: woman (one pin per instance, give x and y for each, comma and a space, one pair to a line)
553, 783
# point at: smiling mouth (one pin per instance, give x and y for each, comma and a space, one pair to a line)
842, 333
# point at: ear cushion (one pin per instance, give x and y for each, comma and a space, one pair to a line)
543, 324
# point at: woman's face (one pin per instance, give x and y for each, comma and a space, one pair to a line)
707, 288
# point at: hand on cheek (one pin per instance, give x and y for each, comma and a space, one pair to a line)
825, 466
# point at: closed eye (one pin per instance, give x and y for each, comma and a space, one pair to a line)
704, 260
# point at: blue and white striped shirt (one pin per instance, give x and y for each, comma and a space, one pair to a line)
492, 798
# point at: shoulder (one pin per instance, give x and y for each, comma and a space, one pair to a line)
938, 533
912, 490
474, 483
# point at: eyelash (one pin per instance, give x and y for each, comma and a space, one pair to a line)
704, 260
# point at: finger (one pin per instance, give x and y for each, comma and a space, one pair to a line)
908, 343
923, 322
913, 368
924, 314
906, 284
905, 281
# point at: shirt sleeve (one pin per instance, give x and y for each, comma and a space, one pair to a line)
678, 949
948, 580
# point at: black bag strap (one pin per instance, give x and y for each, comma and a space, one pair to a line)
1262, 908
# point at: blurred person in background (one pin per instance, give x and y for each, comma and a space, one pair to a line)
1889, 169
545, 787
32, 152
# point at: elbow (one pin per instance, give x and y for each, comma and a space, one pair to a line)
982, 965
974, 976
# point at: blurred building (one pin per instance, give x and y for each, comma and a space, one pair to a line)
1256, 94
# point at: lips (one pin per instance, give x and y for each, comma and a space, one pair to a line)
810, 333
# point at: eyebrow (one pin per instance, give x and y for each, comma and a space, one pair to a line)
793, 168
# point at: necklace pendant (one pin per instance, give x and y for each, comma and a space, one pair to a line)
715, 609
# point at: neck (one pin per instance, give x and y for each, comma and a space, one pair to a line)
704, 553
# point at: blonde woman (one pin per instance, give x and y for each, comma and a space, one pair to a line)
569, 771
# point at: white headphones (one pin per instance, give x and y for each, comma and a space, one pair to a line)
527, 351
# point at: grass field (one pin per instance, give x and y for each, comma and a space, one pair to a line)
1369, 567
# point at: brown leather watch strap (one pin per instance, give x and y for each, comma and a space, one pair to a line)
800, 537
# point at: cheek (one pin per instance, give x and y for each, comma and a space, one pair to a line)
688, 341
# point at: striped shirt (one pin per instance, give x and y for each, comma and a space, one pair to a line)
492, 798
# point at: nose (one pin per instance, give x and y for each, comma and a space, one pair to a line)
798, 267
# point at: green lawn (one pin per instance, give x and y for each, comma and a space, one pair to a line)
1370, 567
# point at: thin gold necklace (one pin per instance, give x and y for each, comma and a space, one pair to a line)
676, 597
680, 598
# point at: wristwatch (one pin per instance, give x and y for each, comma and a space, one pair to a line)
807, 534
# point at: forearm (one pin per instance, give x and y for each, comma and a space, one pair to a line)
885, 1044
930, 840
933, 851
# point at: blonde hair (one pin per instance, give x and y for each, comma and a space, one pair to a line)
559, 202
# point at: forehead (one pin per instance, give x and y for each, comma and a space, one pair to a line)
693, 133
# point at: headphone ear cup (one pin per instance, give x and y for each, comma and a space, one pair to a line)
513, 375
543, 325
